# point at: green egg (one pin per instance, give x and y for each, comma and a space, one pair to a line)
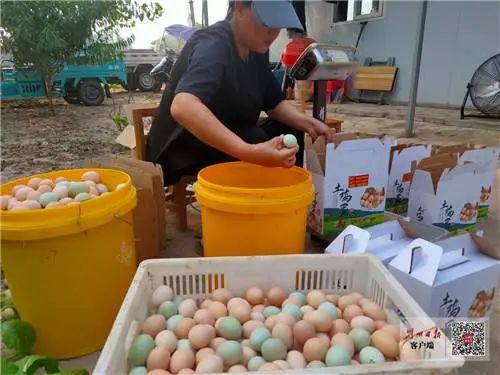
315, 364
140, 349
361, 338
270, 311
66, 184
174, 321
141, 370
230, 352
184, 344
168, 309
329, 308
230, 328
76, 188
177, 301
338, 356
258, 336
273, 350
293, 310
82, 197
299, 296
289, 140
370, 354
48, 197
255, 363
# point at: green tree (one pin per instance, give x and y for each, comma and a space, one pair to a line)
48, 34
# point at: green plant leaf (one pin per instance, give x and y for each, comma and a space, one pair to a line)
8, 367
18, 335
31, 363
80, 371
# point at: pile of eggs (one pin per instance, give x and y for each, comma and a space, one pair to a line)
41, 193
262, 331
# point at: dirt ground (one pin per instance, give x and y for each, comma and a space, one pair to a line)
33, 141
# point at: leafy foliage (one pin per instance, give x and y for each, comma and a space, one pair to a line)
18, 335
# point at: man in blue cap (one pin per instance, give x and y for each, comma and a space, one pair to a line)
220, 84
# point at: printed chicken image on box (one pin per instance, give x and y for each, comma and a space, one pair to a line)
444, 193
486, 160
350, 176
451, 278
400, 173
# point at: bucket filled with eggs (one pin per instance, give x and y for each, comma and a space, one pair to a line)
291, 313
68, 254
247, 209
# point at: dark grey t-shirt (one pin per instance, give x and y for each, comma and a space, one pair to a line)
236, 91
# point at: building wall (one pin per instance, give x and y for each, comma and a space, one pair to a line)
459, 36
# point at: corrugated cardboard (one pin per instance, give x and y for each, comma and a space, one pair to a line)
445, 193
149, 214
400, 173
451, 278
350, 177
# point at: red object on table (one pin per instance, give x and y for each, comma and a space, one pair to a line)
294, 49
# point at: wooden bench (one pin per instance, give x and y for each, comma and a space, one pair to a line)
176, 196
375, 78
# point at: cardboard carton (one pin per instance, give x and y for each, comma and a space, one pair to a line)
486, 159
149, 214
400, 173
451, 278
445, 193
350, 177
385, 240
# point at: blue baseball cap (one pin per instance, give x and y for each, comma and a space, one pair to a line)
277, 14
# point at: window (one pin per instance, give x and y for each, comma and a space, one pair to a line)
354, 10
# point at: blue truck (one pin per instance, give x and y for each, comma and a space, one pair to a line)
87, 84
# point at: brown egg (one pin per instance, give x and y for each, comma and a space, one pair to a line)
204, 316
283, 332
362, 301
285, 318
214, 344
48, 182
34, 205
210, 364
217, 309
222, 295
340, 326
345, 340
33, 195
159, 372
345, 301
305, 309
206, 303
276, 296
339, 313
407, 354
372, 310
269, 366
394, 330
182, 358
333, 298
237, 369
350, 312
202, 353
384, 342
187, 308
303, 331
356, 296
258, 308
258, 316
249, 326
324, 337
153, 325
283, 365
240, 312
34, 182
380, 324
185, 371
44, 189
315, 297
16, 188
245, 342
364, 322
22, 194
270, 322
354, 362
295, 360
201, 335
248, 353
237, 301
255, 295
159, 358
315, 350
183, 328
321, 320
291, 300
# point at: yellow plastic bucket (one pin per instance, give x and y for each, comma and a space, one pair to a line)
69, 267
252, 210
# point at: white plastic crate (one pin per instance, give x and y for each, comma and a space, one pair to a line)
197, 277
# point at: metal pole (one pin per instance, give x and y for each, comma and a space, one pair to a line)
191, 13
415, 73
204, 13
